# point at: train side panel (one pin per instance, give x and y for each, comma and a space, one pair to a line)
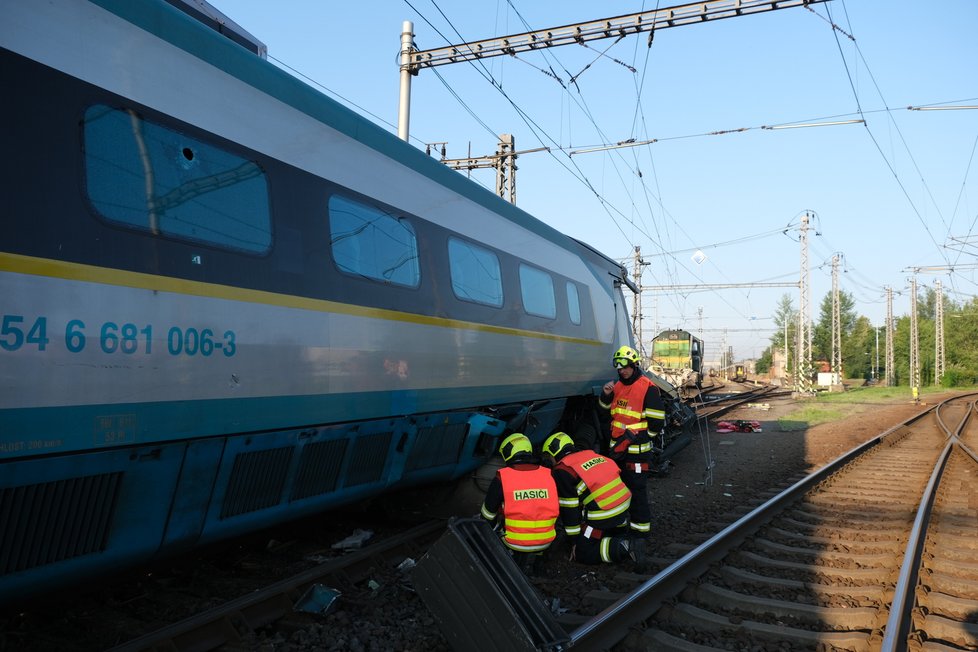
118, 359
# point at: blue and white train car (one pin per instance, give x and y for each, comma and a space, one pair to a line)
227, 301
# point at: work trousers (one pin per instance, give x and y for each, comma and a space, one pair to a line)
640, 511
528, 562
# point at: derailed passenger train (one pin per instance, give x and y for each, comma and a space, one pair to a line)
227, 301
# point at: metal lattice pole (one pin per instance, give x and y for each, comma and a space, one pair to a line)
876, 367
787, 358
890, 372
724, 358
506, 167
836, 322
914, 343
939, 333
803, 358
637, 302
655, 313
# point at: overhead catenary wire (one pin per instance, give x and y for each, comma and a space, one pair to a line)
608, 207
479, 66
957, 203
652, 194
630, 220
836, 119
893, 171
582, 104
639, 104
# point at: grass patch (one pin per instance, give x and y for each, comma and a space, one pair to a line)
790, 425
882, 395
869, 395
810, 415
832, 406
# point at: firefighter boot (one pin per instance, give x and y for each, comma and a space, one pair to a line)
525, 562
640, 555
538, 567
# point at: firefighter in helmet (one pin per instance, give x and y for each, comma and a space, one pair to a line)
637, 418
523, 498
594, 501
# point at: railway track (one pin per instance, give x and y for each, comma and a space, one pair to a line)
722, 404
231, 624
876, 551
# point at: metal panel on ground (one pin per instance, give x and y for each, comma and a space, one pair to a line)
472, 586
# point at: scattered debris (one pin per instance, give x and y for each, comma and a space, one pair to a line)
739, 425
355, 541
278, 546
759, 406
318, 599
406, 565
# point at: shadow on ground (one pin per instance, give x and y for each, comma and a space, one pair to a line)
787, 425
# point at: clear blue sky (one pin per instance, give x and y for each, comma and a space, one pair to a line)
887, 196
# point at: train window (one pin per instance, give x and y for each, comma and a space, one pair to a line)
370, 242
537, 288
150, 177
475, 273
573, 303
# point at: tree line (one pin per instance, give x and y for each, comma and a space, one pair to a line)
863, 343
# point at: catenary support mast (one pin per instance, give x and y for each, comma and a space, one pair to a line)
890, 372
412, 61
938, 332
836, 322
637, 301
803, 357
503, 161
914, 343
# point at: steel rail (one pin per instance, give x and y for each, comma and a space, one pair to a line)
901, 608
731, 402
961, 445
898, 624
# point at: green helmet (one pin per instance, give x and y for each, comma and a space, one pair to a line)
515, 444
558, 443
624, 356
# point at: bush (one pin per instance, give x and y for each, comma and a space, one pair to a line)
957, 376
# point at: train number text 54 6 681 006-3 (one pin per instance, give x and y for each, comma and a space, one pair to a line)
18, 332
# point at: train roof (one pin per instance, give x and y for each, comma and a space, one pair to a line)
624, 274
211, 16
171, 21
673, 333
